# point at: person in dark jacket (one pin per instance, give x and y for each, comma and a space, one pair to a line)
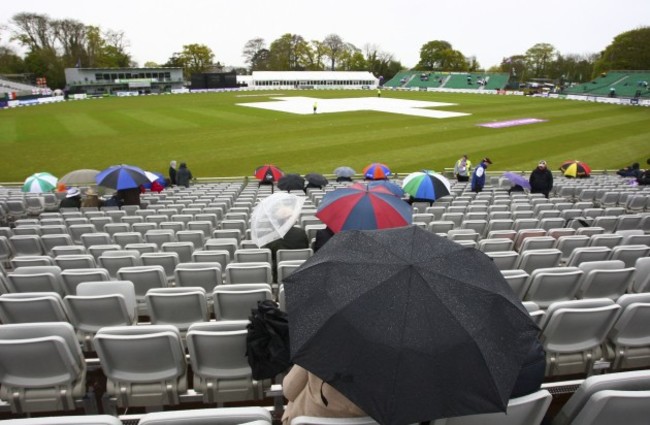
172, 173
183, 175
478, 176
322, 236
129, 196
72, 199
295, 238
541, 179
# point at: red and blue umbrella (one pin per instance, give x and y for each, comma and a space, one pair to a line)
121, 177
376, 171
517, 179
379, 186
426, 185
357, 208
268, 173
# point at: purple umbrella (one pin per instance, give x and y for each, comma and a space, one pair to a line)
517, 179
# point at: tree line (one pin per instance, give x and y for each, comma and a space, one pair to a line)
52, 45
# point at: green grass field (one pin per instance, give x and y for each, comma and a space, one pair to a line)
218, 138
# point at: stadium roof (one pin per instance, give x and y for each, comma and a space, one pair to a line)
314, 75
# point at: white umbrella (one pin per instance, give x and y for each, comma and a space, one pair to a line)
273, 217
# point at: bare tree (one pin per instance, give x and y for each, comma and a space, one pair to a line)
334, 48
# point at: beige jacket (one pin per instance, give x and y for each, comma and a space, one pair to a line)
303, 390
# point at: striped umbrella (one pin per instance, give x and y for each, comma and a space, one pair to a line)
376, 171
121, 177
354, 208
268, 173
575, 169
379, 186
426, 185
39, 183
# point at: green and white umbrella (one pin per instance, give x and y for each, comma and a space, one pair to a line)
39, 183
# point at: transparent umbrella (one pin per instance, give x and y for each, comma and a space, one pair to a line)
273, 217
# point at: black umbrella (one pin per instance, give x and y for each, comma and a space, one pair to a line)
291, 182
409, 326
316, 179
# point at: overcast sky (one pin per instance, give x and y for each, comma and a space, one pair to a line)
489, 30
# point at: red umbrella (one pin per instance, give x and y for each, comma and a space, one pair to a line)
355, 208
268, 173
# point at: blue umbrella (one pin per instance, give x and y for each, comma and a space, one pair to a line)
121, 177
517, 179
392, 187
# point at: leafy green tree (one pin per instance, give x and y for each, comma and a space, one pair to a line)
629, 50
381, 63
334, 48
539, 58
255, 54
10, 62
194, 58
438, 55
290, 52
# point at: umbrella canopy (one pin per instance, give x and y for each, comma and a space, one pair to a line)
344, 172
363, 209
291, 182
122, 177
385, 184
154, 177
268, 173
316, 179
273, 217
79, 177
517, 179
376, 171
39, 183
575, 169
408, 325
426, 185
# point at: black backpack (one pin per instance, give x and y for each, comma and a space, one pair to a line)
267, 342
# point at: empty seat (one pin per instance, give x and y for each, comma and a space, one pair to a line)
78, 230
179, 307
538, 258
67, 420
589, 253
41, 367
26, 245
235, 302
112, 261
629, 338
143, 278
168, 261
100, 304
573, 332
536, 242
609, 240
629, 253
29, 307
227, 376
624, 381
548, 285
183, 249
604, 279
207, 275
248, 273
504, 260
72, 277
517, 279
31, 261
35, 279
527, 410
144, 365
50, 241
125, 238
97, 238
79, 261
214, 416
641, 278
496, 244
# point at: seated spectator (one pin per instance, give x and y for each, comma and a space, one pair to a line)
631, 171
91, 199
309, 395
72, 199
129, 196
